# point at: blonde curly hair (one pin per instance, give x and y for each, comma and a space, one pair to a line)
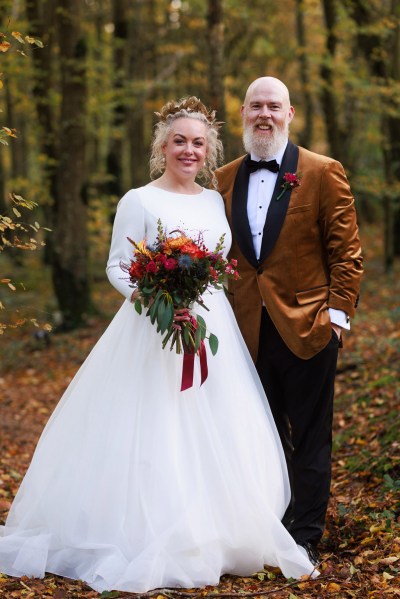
189, 107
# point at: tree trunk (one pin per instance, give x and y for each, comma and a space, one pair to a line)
394, 131
70, 252
381, 48
305, 136
216, 57
18, 171
328, 96
3, 204
41, 17
115, 155
18, 148
142, 57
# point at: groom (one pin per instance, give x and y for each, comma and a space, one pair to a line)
296, 241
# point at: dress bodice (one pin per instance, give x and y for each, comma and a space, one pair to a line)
137, 215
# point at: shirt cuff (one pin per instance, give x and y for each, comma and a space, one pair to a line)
340, 318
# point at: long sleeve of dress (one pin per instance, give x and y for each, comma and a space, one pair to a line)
129, 222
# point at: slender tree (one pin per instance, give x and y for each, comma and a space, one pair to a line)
216, 57
115, 154
381, 48
41, 17
306, 134
142, 63
328, 95
70, 246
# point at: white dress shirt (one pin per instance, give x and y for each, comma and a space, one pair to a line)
261, 187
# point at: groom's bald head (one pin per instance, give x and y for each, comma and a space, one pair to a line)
268, 83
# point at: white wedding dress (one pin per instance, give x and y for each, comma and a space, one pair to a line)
135, 485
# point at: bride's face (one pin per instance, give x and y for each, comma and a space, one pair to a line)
186, 148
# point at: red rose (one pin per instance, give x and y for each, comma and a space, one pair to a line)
291, 178
170, 263
290, 181
160, 258
136, 270
151, 267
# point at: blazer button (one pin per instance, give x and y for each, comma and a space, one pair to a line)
260, 270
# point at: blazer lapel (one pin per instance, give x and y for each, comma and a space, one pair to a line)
277, 208
240, 221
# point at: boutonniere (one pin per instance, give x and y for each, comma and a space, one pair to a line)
290, 181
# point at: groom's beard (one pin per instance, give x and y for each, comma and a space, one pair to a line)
264, 148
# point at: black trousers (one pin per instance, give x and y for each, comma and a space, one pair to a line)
300, 393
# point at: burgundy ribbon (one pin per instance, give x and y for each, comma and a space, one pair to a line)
187, 370
188, 364
203, 362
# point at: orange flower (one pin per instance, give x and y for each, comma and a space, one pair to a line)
193, 250
142, 249
175, 243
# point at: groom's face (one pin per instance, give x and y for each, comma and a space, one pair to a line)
266, 115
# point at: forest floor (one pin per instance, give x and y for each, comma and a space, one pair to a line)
361, 545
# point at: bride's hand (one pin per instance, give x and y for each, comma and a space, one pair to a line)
136, 296
180, 315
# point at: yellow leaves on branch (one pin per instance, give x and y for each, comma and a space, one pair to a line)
8, 224
20, 322
20, 201
18, 37
10, 132
35, 41
5, 45
9, 283
6, 132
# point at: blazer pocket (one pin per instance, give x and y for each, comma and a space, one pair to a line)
316, 294
302, 208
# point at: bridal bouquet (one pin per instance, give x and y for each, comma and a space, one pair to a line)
172, 274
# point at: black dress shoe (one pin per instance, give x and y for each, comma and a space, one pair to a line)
312, 552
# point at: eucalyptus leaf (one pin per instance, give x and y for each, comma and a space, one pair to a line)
202, 325
186, 337
168, 317
160, 315
153, 311
160, 311
213, 342
167, 337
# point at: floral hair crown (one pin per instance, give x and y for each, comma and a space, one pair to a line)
190, 104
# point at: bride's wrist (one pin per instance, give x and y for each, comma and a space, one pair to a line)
135, 295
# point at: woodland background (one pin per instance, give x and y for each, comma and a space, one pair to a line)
82, 106
79, 83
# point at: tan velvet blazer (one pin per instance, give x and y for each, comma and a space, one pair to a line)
310, 257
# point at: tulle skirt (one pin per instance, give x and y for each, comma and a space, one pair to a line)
135, 485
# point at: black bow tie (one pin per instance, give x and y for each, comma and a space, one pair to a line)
253, 165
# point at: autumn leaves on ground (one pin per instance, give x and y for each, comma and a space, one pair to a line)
361, 547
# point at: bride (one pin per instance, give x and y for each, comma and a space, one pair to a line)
135, 485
